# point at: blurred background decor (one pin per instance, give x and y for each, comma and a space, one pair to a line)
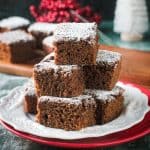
104, 11
60, 11
21, 7
104, 8
131, 19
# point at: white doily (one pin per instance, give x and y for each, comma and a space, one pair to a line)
135, 108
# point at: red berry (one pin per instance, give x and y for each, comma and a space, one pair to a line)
59, 11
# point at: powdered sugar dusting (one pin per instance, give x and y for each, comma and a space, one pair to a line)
47, 28
29, 89
104, 95
14, 22
48, 65
48, 41
108, 56
15, 36
74, 100
76, 31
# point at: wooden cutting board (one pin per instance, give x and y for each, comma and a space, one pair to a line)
135, 66
16, 69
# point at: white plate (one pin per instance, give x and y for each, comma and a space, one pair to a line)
135, 108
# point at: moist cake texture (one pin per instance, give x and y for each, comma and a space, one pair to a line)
58, 80
16, 46
76, 43
66, 113
105, 73
109, 103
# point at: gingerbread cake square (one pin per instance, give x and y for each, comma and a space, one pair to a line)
76, 43
30, 99
16, 46
105, 73
109, 103
48, 44
66, 113
58, 80
40, 30
13, 23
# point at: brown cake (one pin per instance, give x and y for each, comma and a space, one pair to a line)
76, 43
13, 23
48, 45
66, 113
40, 30
58, 80
30, 99
16, 46
105, 73
109, 103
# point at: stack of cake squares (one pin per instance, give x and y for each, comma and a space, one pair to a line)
75, 86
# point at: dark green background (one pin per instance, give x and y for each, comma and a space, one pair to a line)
21, 7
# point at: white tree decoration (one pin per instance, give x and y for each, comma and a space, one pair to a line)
131, 19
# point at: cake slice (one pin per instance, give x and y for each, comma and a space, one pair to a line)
109, 103
13, 23
105, 73
76, 43
16, 46
58, 80
66, 113
48, 45
30, 99
40, 30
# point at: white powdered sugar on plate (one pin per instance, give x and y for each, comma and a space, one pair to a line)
135, 108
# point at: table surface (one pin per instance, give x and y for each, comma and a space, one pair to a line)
136, 69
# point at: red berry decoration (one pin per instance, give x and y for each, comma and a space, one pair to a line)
61, 11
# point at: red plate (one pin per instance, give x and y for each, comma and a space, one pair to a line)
121, 137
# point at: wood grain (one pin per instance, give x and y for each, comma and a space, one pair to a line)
135, 66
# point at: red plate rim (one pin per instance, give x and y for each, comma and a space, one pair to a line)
86, 143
